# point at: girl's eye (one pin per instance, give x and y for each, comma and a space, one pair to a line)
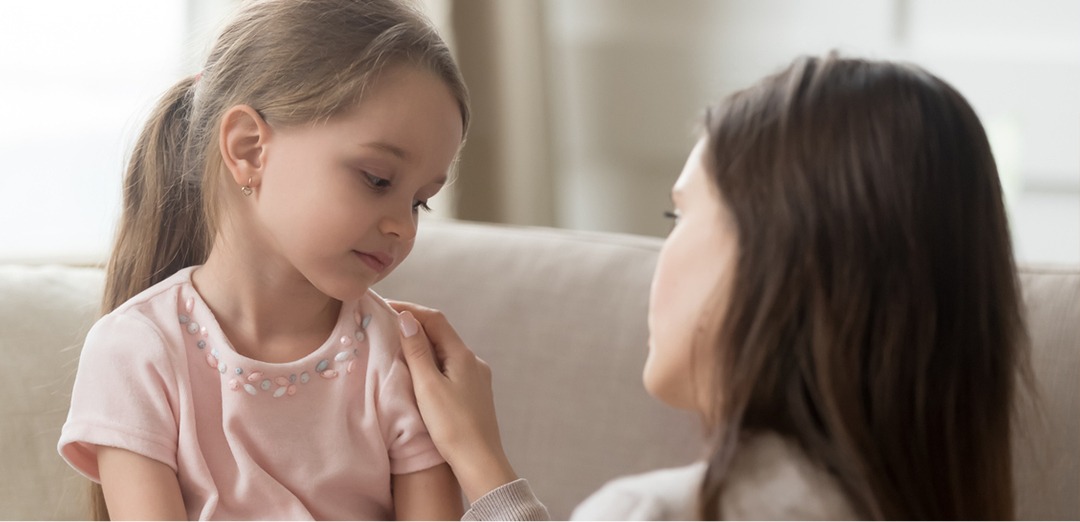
420, 205
377, 182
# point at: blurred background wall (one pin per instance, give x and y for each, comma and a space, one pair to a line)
584, 110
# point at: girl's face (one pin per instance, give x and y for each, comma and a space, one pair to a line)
695, 267
338, 200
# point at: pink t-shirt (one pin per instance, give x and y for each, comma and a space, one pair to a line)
317, 438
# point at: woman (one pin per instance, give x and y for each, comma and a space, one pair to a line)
837, 301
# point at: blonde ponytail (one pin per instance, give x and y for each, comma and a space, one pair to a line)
162, 228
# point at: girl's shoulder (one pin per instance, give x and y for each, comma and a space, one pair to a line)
376, 304
146, 331
161, 297
146, 318
379, 321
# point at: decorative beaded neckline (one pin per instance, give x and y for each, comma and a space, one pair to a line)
256, 382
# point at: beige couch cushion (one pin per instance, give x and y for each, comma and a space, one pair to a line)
44, 314
1046, 452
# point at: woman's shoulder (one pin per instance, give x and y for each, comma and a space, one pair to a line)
665, 494
770, 478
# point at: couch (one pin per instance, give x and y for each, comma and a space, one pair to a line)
560, 317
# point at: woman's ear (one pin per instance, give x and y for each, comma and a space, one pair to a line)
243, 136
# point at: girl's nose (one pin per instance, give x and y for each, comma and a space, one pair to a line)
400, 224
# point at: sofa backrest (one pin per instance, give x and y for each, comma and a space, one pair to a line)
45, 312
560, 316
1046, 440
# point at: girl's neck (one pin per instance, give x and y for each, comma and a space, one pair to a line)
268, 311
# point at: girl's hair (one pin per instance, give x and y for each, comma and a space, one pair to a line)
874, 317
293, 61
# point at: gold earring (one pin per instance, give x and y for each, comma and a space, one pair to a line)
246, 189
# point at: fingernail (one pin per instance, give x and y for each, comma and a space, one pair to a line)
409, 326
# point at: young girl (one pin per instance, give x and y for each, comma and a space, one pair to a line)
837, 300
244, 369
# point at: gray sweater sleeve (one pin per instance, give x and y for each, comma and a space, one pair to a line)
513, 501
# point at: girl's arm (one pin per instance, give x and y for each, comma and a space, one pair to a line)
138, 487
430, 494
453, 392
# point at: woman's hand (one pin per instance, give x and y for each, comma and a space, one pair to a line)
453, 392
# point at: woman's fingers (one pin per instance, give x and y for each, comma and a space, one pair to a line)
445, 341
417, 349
453, 392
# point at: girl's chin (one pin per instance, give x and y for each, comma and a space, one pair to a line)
348, 289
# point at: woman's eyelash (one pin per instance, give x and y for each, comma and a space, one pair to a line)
421, 205
671, 214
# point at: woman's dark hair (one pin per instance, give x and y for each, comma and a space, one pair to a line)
874, 317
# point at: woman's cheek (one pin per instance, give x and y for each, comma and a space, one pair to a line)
670, 327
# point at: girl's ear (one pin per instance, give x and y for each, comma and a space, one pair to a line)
243, 136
